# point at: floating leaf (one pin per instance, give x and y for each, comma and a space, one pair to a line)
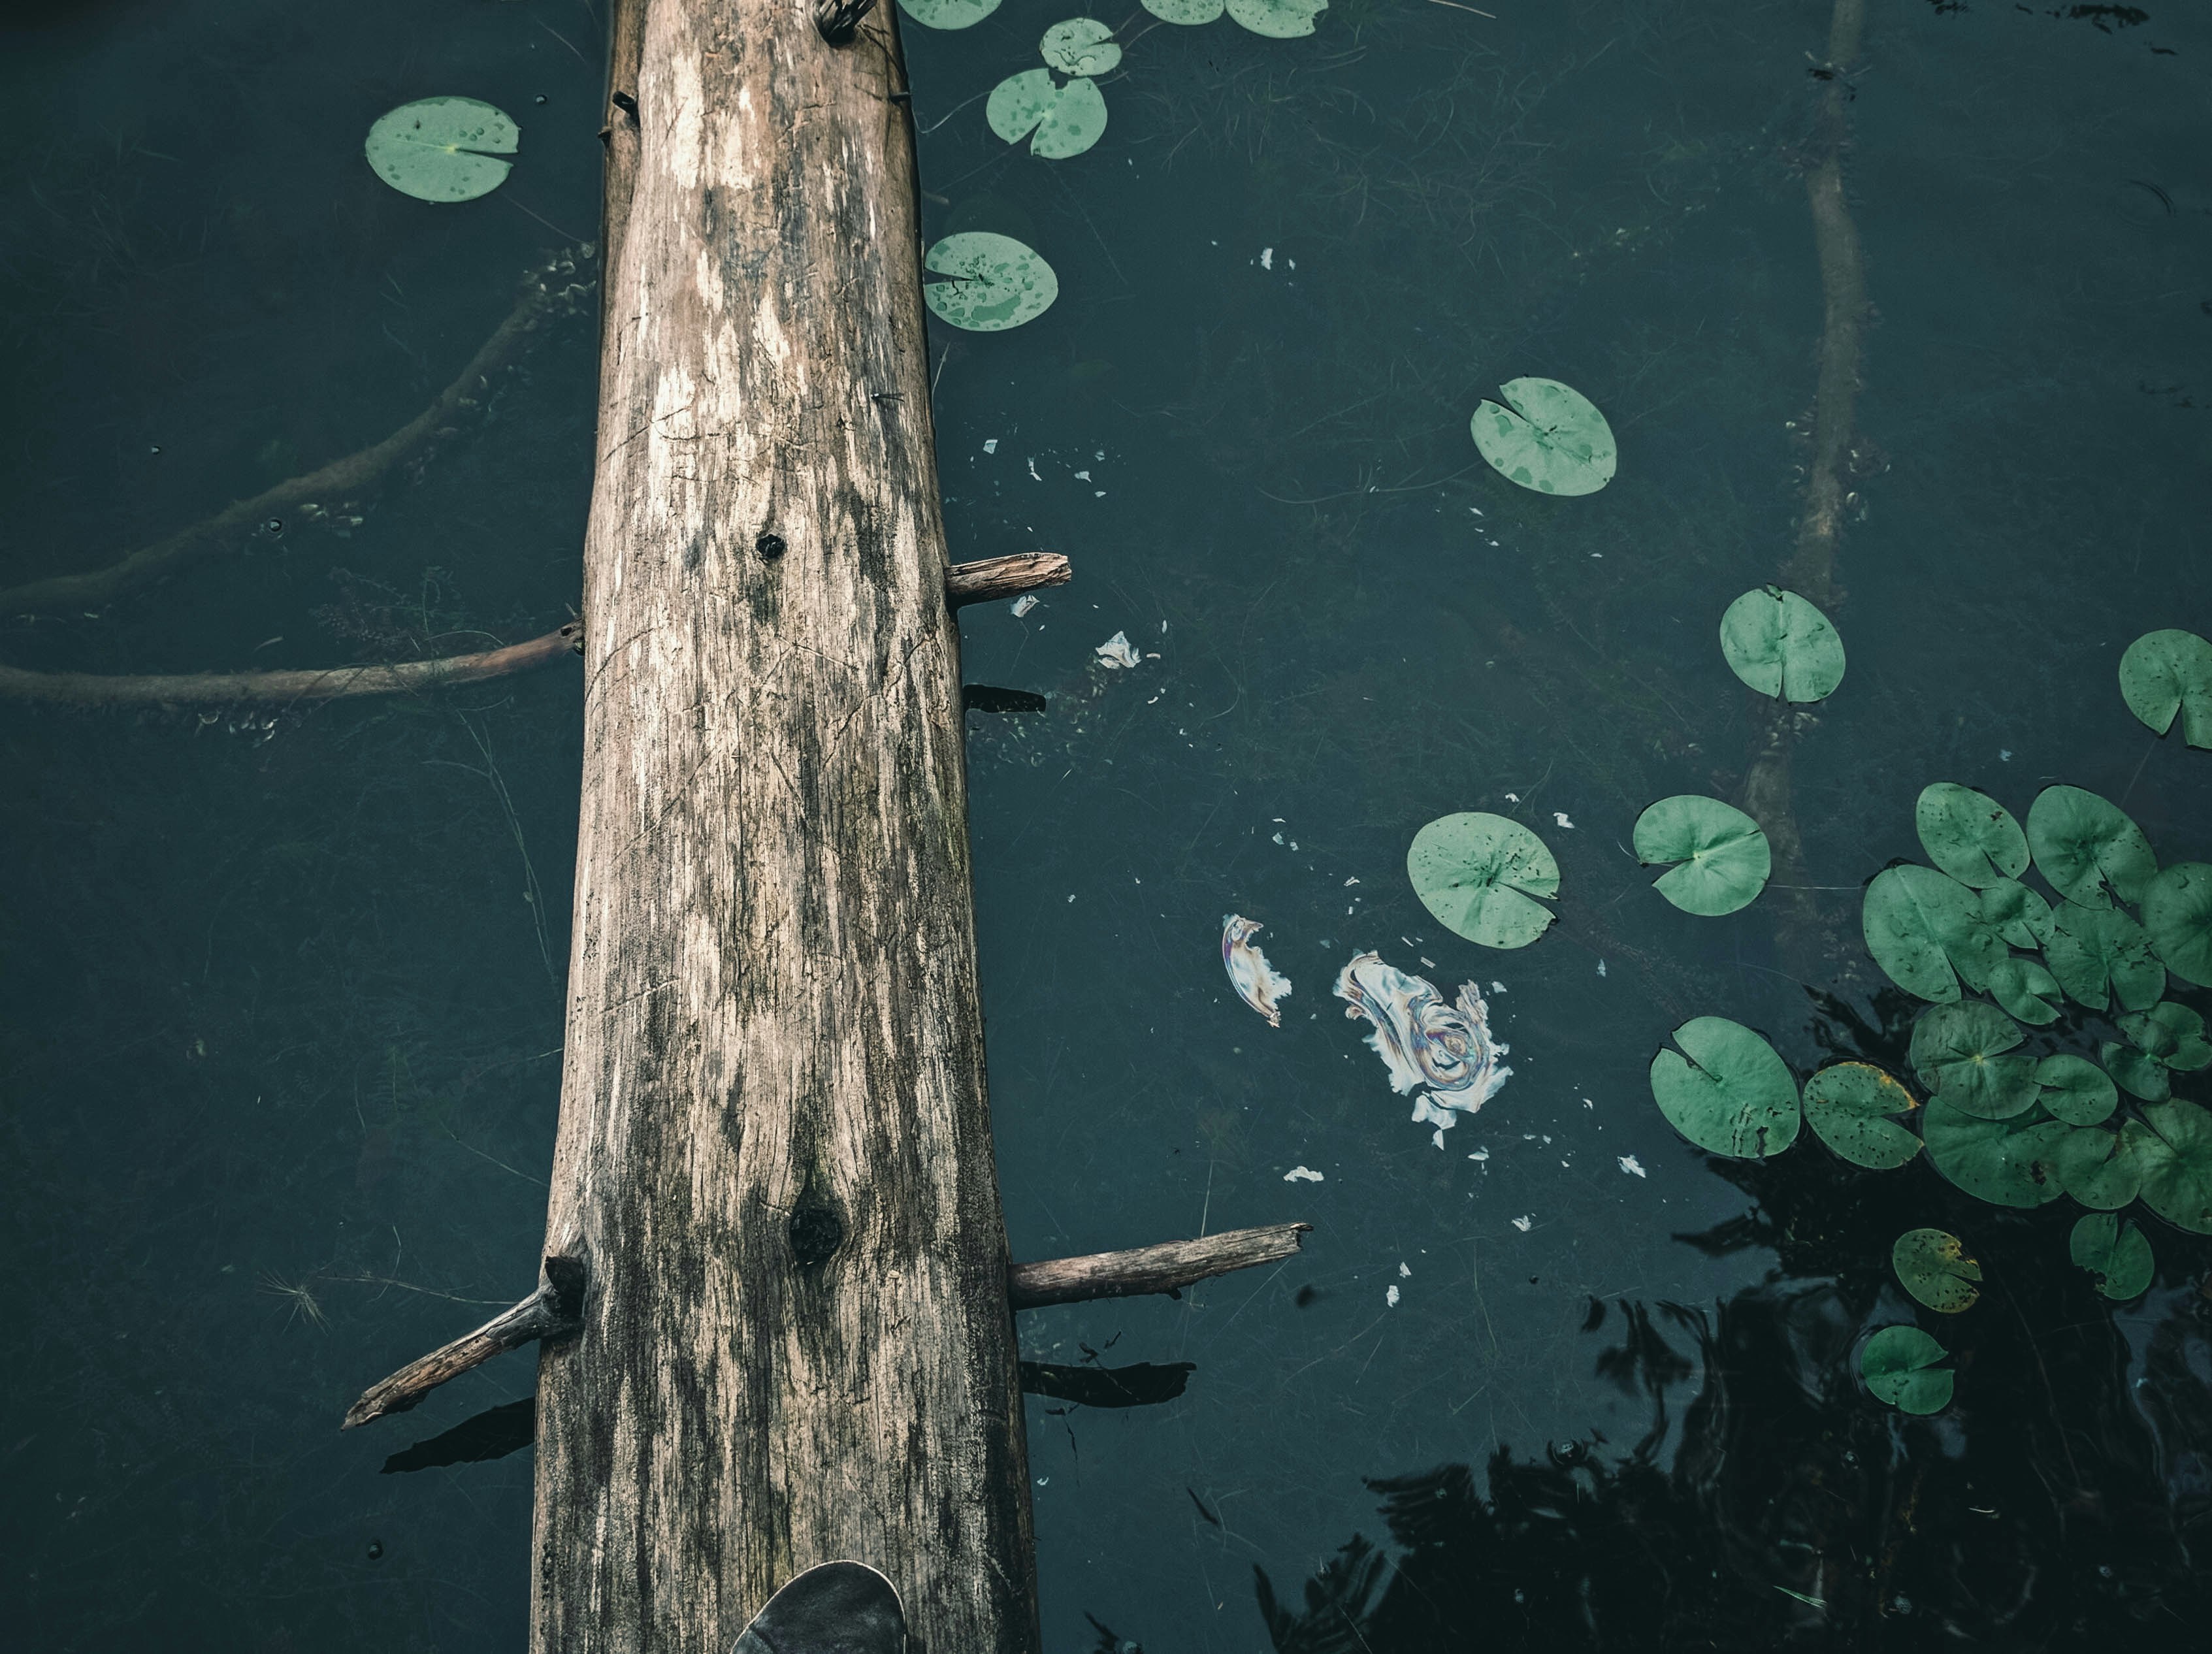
2017, 913
2027, 990
2009, 1162
1480, 874
996, 282
443, 149
1932, 1265
2096, 952
1548, 437
2177, 1181
2138, 1075
2088, 848
1928, 931
1964, 1053
2177, 912
2075, 1089
1185, 11
948, 14
1781, 644
1733, 1094
2172, 1033
2103, 1170
1969, 835
1723, 856
1898, 1365
1067, 119
1278, 20
2116, 1254
2168, 673
1081, 46
1850, 1106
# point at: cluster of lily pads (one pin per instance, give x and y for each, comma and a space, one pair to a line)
1280, 20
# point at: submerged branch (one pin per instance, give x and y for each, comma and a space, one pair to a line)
1163, 1269
554, 1309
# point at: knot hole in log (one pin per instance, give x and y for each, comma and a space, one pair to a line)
817, 1230
839, 21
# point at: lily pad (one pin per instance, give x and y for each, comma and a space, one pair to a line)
1928, 931
2178, 1164
1067, 119
1080, 46
996, 282
1548, 437
1733, 1094
2088, 848
2026, 991
2009, 1162
2174, 1034
1723, 854
1188, 12
2169, 673
443, 149
2017, 913
2116, 1254
2138, 1075
2075, 1089
2098, 953
1932, 1265
1965, 1055
2177, 912
1969, 835
2103, 1170
1782, 646
1481, 875
1898, 1365
1278, 20
1849, 1107
948, 14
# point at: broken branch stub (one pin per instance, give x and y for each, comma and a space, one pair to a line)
1003, 577
1164, 1269
554, 1309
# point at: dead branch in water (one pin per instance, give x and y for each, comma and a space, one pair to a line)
1164, 1269
553, 1310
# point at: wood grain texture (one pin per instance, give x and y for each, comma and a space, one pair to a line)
549, 1313
1167, 1268
774, 1146
1004, 577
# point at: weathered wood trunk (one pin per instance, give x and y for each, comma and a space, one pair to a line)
774, 1152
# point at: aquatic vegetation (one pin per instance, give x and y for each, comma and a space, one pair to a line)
2086, 848
1257, 983
993, 281
443, 149
1066, 119
1934, 1266
2115, 1253
1482, 874
1722, 857
1852, 1107
1929, 932
1969, 835
948, 14
1278, 20
1732, 1093
1442, 1048
2177, 916
1781, 644
1548, 437
1898, 1365
2169, 673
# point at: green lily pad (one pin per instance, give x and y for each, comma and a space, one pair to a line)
2117, 1255
1278, 20
1969, 835
2177, 912
1851, 1107
443, 149
1548, 437
2174, 1034
1965, 1055
2088, 848
1187, 12
2075, 1089
1782, 646
2017, 913
2009, 1162
1932, 1265
1481, 875
996, 282
1723, 854
1733, 1094
2138, 1075
1080, 46
2168, 673
948, 14
2026, 991
2178, 1164
1928, 931
2097, 954
2103, 1170
1067, 119
1898, 1365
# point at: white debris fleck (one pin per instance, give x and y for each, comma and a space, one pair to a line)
1349, 883
1600, 967
1513, 798
1632, 1166
1033, 471
1267, 257
1425, 960
1587, 1103
1390, 1298
991, 446
1480, 1154
1022, 605
1523, 1224
2004, 755
1278, 838
1404, 1272
1498, 987
1303, 1175
1082, 476
1117, 651
1560, 816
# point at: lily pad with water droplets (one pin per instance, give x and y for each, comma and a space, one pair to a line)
1722, 856
1965, 1055
996, 282
1782, 646
2116, 1254
2174, 1034
2088, 848
1080, 46
2075, 1089
2178, 1165
1067, 119
1187, 12
1852, 1106
2017, 913
1898, 1365
1278, 20
1969, 835
2007, 1162
1932, 1264
948, 14
2098, 953
443, 149
1731, 1094
2177, 914
2103, 1170
1547, 437
2026, 991
1928, 931
2167, 673
1481, 875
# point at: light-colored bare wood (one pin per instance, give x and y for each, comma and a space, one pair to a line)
549, 1313
1167, 1268
1003, 577
773, 1148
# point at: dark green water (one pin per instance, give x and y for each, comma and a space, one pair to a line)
282, 997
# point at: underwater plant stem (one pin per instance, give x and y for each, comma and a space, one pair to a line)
1003, 577
267, 689
543, 294
553, 1310
1163, 1269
